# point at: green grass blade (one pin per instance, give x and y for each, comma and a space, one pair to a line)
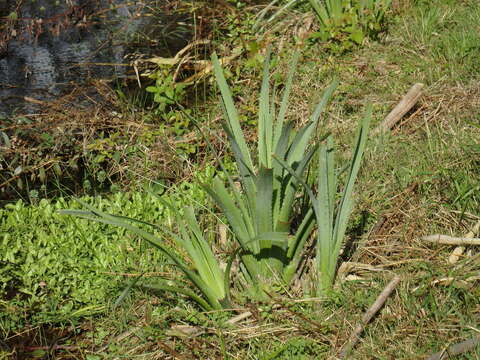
260, 17
280, 11
125, 292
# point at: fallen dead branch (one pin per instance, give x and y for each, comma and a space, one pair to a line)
404, 106
450, 240
355, 337
456, 349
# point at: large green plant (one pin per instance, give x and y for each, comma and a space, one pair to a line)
260, 212
332, 216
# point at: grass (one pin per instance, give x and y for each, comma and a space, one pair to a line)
421, 179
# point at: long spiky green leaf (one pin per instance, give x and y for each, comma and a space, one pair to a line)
346, 202
326, 200
264, 117
232, 114
280, 120
332, 230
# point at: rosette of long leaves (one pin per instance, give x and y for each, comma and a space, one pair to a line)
260, 212
332, 216
199, 264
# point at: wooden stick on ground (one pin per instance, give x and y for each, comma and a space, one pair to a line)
407, 102
456, 349
355, 337
449, 240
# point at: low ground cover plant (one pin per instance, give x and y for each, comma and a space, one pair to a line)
342, 23
55, 268
349, 21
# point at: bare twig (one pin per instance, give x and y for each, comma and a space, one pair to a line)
407, 102
355, 337
450, 240
456, 349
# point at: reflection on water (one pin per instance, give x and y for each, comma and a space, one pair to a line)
52, 45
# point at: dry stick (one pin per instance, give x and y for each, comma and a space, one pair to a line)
407, 102
456, 349
355, 337
450, 240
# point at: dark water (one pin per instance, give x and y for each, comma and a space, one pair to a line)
53, 45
